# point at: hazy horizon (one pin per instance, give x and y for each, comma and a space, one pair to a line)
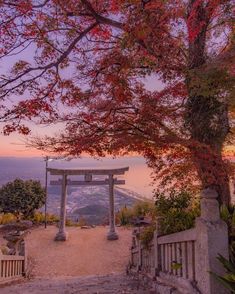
138, 178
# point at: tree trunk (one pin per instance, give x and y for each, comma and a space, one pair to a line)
206, 116
212, 171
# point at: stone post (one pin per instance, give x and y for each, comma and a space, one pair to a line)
112, 235
139, 251
212, 239
25, 253
62, 235
156, 247
155, 270
1, 265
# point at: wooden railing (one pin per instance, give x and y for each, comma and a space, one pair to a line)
177, 254
174, 253
185, 259
170, 258
134, 257
11, 267
147, 260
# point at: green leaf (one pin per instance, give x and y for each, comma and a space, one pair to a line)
226, 263
224, 213
233, 219
224, 282
176, 266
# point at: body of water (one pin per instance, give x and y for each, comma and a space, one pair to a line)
138, 178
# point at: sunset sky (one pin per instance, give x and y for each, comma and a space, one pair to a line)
14, 144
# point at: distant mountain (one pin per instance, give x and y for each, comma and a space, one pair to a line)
90, 202
93, 214
93, 209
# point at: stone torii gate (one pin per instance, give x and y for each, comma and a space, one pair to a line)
62, 235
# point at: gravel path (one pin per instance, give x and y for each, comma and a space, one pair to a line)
108, 284
86, 263
86, 252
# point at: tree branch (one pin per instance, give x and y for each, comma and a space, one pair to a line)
100, 18
55, 63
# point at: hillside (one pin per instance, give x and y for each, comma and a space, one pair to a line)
90, 203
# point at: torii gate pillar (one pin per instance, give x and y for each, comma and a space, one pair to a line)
112, 235
62, 235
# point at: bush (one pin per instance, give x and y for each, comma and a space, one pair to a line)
124, 216
6, 218
146, 235
39, 218
227, 280
4, 250
227, 214
70, 223
142, 208
21, 197
82, 222
177, 212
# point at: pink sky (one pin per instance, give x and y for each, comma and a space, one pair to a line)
13, 145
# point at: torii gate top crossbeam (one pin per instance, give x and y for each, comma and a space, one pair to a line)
118, 171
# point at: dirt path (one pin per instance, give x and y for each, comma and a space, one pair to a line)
86, 252
108, 284
87, 263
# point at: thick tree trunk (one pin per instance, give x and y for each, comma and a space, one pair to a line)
206, 116
207, 122
212, 171
208, 133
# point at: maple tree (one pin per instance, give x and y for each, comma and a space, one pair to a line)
90, 59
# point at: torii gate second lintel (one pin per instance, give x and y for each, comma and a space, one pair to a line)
62, 235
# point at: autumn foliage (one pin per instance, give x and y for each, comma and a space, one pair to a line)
85, 64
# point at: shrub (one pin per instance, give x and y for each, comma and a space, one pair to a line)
227, 214
4, 250
6, 218
142, 208
21, 197
176, 212
39, 218
52, 218
70, 223
227, 280
124, 216
146, 235
82, 222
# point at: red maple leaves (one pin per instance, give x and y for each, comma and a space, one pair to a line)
89, 63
